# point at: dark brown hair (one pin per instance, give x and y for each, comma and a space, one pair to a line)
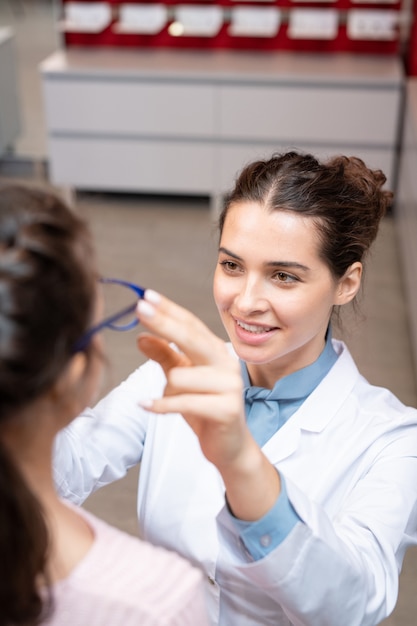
343, 195
47, 298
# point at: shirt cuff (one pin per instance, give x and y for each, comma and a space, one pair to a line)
263, 536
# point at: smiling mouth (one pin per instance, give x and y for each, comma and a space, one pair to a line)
252, 328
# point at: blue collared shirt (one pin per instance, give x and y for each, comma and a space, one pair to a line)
267, 410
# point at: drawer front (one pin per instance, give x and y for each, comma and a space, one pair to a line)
232, 158
149, 166
112, 107
310, 114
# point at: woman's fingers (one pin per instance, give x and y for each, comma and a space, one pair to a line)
176, 324
159, 350
206, 389
206, 379
217, 419
211, 407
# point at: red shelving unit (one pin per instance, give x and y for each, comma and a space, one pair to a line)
377, 29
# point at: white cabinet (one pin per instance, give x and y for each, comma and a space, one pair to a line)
130, 108
160, 121
9, 104
126, 164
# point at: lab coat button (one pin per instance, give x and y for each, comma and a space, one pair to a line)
265, 541
211, 580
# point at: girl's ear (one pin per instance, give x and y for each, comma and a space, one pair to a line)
68, 382
349, 284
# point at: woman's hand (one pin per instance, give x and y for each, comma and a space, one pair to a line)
204, 384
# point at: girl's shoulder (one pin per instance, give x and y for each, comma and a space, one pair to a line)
123, 575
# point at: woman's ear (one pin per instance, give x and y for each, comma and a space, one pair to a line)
349, 284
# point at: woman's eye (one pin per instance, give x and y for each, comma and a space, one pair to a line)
283, 277
230, 266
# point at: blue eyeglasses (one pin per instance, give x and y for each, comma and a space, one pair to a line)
121, 299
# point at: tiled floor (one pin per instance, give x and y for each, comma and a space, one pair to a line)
169, 244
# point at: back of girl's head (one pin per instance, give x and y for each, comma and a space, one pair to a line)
343, 195
46, 291
47, 287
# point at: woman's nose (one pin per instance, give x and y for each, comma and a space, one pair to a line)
251, 297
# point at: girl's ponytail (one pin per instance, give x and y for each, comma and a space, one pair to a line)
23, 548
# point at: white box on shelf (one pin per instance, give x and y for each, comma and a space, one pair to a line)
196, 20
254, 21
86, 17
147, 19
313, 24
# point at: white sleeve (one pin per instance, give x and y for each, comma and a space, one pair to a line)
341, 570
103, 443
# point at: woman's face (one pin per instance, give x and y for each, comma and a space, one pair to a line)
273, 291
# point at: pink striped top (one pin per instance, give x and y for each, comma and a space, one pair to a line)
125, 581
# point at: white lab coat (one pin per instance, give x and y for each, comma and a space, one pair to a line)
349, 457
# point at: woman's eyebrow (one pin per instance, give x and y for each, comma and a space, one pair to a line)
229, 253
286, 264
289, 265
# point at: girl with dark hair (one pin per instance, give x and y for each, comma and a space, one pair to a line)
58, 564
292, 480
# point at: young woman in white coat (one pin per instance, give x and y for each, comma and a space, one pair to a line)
270, 462
59, 565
